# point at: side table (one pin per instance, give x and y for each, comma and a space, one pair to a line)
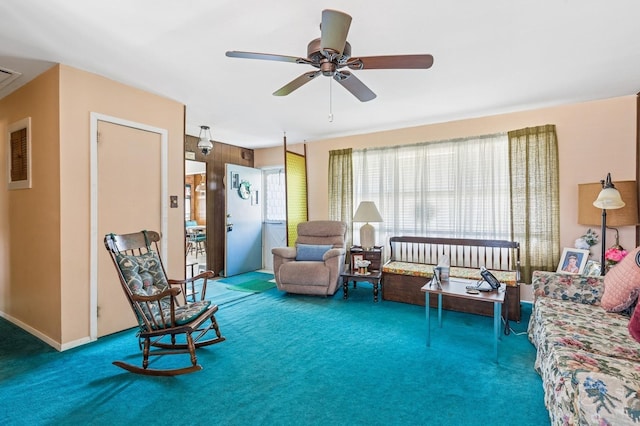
457, 288
374, 277
373, 255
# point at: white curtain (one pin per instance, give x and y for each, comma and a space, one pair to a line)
455, 188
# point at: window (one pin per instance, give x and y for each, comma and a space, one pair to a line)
457, 188
275, 205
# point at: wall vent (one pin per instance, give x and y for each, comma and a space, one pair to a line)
7, 76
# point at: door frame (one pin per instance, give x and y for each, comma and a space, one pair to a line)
96, 240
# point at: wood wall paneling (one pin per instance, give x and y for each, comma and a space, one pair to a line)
216, 222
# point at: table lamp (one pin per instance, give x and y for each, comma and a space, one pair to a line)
367, 212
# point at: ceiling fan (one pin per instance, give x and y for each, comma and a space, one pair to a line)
331, 54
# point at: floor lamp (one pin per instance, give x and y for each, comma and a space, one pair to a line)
608, 199
367, 212
589, 214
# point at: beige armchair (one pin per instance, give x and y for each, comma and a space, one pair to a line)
315, 264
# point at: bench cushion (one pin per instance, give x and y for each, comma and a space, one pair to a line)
425, 270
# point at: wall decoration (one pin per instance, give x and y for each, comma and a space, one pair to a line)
244, 191
19, 154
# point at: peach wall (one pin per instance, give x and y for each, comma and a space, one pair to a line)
593, 137
45, 240
81, 94
30, 218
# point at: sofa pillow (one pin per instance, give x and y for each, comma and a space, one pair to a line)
622, 284
634, 324
312, 252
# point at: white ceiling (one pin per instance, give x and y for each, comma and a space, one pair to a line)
491, 56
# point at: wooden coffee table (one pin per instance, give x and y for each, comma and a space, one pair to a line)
457, 288
373, 277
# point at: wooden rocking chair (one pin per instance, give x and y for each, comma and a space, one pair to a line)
162, 315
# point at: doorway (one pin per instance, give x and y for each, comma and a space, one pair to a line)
195, 216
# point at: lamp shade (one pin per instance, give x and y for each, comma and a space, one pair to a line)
202, 186
609, 198
204, 140
367, 212
590, 211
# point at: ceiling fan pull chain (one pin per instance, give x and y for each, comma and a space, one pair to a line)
331, 100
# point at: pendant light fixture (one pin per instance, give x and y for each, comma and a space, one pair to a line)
202, 186
204, 143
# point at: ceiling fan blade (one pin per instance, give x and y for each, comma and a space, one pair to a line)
391, 62
334, 29
263, 56
355, 86
296, 83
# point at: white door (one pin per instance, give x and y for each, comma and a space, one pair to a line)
243, 236
129, 200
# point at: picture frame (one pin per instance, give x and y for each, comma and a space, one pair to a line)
354, 259
592, 269
573, 261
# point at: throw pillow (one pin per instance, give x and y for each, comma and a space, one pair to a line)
311, 252
622, 284
634, 324
143, 273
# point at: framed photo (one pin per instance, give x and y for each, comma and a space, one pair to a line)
354, 259
592, 269
573, 261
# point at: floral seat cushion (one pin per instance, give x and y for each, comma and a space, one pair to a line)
184, 314
425, 270
145, 277
584, 327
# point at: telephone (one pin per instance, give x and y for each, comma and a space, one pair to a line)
488, 277
488, 283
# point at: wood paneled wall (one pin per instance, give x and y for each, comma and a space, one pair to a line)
216, 221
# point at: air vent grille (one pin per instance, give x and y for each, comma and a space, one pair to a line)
7, 76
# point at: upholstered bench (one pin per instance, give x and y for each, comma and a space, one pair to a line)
412, 260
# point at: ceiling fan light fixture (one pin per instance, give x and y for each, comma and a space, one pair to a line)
204, 143
331, 54
334, 28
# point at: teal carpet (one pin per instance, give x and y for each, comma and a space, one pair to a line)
253, 286
288, 359
252, 282
228, 290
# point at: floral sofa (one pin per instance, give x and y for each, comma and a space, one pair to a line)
588, 361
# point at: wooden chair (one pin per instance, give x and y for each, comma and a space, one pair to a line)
168, 324
196, 239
